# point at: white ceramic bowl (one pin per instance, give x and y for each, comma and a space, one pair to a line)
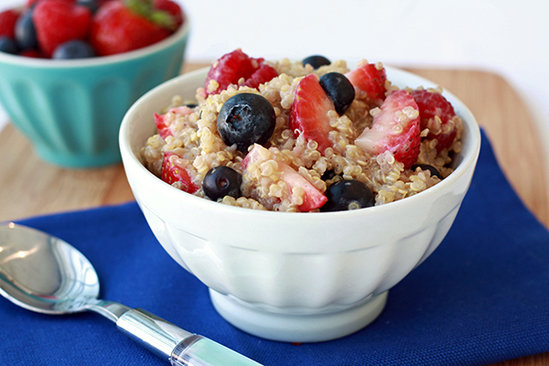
297, 277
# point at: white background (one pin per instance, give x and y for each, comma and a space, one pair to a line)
507, 36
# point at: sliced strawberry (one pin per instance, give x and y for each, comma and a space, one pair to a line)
8, 18
257, 153
431, 105
164, 128
59, 21
183, 110
395, 128
236, 65
171, 7
312, 198
171, 173
309, 112
117, 28
369, 82
161, 125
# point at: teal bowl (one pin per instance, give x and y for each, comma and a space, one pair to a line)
71, 110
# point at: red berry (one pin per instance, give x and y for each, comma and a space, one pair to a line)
236, 65
369, 82
30, 3
395, 128
59, 21
261, 75
171, 7
229, 68
117, 29
31, 53
172, 172
164, 128
430, 106
312, 197
445, 140
309, 112
8, 18
161, 125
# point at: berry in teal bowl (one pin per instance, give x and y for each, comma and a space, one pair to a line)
70, 103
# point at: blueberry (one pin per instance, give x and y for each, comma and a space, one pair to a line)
25, 33
93, 5
328, 174
73, 49
339, 89
348, 194
316, 61
191, 105
246, 119
222, 181
8, 45
428, 167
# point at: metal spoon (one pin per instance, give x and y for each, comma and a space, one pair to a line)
43, 273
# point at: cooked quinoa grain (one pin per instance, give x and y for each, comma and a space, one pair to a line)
194, 138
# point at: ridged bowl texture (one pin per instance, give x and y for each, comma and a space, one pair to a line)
293, 264
71, 110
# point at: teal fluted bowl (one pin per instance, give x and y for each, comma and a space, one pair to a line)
71, 110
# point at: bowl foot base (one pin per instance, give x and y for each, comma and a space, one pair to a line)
297, 328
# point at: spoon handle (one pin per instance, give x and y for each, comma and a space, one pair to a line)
182, 348
201, 351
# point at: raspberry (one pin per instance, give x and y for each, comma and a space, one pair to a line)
230, 68
432, 105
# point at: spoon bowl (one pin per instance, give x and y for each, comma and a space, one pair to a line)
42, 273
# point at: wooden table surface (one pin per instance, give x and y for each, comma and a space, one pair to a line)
29, 186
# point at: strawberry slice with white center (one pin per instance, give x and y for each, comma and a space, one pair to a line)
164, 125
395, 128
432, 105
309, 112
369, 82
173, 172
312, 197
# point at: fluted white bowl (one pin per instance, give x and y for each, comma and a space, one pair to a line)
298, 277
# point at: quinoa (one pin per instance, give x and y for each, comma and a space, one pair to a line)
199, 146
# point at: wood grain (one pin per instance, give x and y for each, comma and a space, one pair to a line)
29, 186
509, 126
497, 107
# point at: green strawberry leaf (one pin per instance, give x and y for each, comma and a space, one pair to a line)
145, 9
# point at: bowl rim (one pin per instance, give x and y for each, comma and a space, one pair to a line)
469, 159
98, 61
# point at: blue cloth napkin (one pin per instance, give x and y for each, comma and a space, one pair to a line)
482, 296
